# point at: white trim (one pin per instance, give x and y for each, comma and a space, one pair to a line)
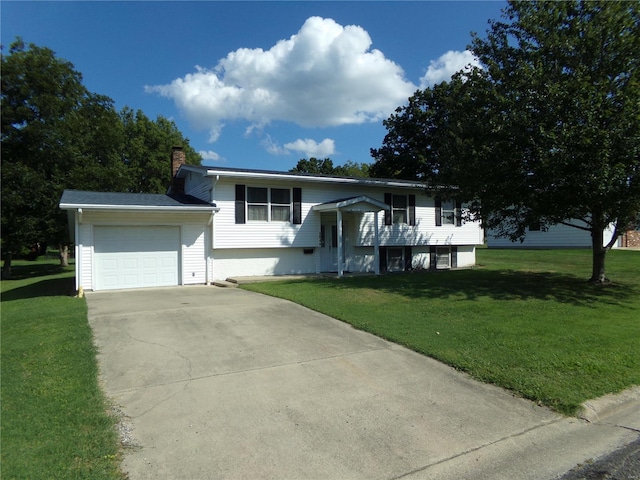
324, 207
177, 208
304, 178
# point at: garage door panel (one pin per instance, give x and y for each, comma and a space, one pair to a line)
134, 257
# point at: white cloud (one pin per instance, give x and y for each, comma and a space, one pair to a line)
443, 68
307, 147
210, 155
325, 75
311, 148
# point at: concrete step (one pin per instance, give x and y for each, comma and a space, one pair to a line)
225, 284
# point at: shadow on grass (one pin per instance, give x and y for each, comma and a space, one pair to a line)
497, 285
52, 287
31, 270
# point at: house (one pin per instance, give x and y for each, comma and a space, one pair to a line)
216, 222
555, 236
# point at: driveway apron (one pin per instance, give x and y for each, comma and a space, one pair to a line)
225, 383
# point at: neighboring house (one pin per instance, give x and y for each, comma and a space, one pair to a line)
217, 223
556, 236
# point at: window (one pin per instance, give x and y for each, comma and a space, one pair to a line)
534, 227
394, 260
448, 212
402, 209
263, 204
280, 204
399, 207
257, 204
443, 257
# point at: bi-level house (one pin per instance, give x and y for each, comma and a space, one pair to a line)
215, 223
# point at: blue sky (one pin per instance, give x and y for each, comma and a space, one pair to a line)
259, 84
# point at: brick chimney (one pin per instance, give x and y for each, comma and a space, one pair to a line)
177, 158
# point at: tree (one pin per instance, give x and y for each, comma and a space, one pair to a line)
57, 135
325, 167
547, 130
146, 149
43, 105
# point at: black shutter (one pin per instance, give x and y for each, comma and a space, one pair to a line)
438, 201
388, 199
454, 257
408, 264
432, 258
383, 259
458, 213
412, 209
297, 206
240, 201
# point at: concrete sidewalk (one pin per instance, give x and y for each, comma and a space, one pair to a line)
224, 383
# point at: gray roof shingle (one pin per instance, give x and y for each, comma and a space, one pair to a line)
78, 197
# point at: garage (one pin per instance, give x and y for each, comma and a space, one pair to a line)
136, 256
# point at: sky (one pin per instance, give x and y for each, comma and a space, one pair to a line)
259, 85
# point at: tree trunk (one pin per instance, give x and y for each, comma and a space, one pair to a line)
6, 270
64, 255
599, 254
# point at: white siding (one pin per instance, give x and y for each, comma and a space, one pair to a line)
425, 232
265, 261
466, 256
557, 236
228, 234
85, 248
194, 267
198, 186
193, 235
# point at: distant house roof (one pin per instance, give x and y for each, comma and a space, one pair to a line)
72, 199
302, 177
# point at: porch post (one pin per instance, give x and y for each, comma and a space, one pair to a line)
376, 245
340, 259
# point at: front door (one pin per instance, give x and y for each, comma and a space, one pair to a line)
329, 246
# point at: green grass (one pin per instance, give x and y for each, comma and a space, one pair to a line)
527, 321
54, 417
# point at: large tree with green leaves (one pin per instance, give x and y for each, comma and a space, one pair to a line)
325, 167
146, 151
548, 130
57, 135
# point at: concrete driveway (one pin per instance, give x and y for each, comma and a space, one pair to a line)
224, 383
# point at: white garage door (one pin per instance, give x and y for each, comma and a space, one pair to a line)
134, 257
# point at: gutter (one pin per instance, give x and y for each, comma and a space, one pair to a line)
177, 208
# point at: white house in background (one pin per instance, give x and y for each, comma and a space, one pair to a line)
216, 223
556, 236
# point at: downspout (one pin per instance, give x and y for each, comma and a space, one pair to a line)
208, 260
78, 251
212, 201
376, 244
340, 240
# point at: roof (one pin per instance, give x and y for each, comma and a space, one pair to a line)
72, 199
360, 204
301, 177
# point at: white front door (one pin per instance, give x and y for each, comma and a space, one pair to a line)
329, 244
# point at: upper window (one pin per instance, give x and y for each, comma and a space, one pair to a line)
448, 212
402, 209
258, 204
399, 208
268, 204
263, 204
280, 204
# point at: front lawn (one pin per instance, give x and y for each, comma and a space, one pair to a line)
527, 321
54, 416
